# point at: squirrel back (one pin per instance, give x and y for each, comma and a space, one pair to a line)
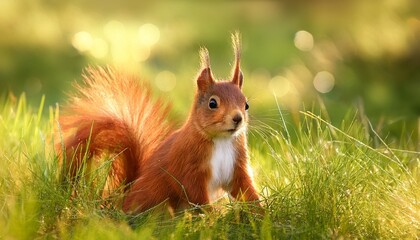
113, 113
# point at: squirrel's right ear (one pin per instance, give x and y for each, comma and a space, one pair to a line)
205, 78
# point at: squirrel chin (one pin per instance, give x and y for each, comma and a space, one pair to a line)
231, 133
221, 133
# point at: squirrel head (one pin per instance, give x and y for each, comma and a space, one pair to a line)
220, 107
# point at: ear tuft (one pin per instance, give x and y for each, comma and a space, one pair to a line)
236, 43
205, 78
237, 77
205, 58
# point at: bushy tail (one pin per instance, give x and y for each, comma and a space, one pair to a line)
112, 113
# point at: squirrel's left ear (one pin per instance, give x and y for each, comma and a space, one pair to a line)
205, 78
237, 73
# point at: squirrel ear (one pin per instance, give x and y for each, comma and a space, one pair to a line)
238, 80
237, 73
205, 78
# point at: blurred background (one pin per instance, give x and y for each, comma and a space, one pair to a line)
309, 54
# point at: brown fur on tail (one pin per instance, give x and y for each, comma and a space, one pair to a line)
112, 113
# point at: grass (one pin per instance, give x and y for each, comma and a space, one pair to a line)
317, 180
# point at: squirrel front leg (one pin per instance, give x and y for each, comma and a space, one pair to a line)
242, 184
243, 189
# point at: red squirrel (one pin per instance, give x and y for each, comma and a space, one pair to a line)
113, 112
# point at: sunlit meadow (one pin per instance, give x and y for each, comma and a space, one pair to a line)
328, 182
334, 114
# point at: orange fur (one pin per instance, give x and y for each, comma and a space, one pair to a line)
115, 114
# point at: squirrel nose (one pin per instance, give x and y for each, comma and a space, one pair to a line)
237, 119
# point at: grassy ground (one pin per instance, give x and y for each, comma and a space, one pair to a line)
317, 181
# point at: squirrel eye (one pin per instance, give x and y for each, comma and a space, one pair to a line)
246, 106
212, 103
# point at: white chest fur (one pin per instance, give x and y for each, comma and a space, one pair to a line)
222, 164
